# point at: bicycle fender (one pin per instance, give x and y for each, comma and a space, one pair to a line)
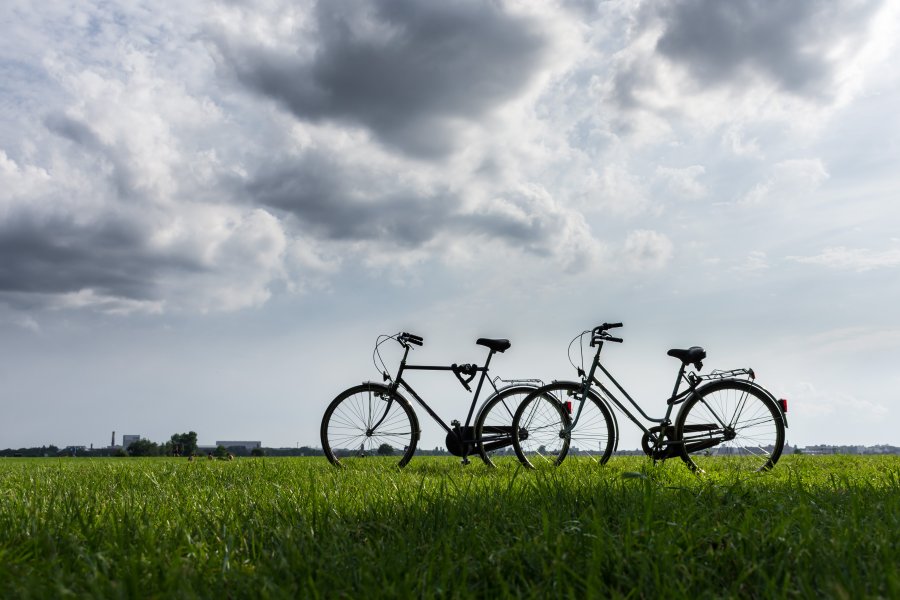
514, 387
745, 384
773, 399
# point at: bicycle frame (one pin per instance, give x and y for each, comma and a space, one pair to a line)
664, 422
398, 381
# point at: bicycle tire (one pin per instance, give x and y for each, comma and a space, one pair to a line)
730, 425
539, 429
594, 435
346, 425
494, 423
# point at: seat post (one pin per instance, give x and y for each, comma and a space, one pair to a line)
678, 380
478, 388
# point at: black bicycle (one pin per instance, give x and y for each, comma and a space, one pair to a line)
726, 420
376, 419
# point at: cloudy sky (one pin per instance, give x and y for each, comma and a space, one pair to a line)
209, 210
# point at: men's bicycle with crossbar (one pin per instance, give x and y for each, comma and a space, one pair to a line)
375, 418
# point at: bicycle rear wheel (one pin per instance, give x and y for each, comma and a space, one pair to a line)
732, 426
540, 429
369, 420
494, 424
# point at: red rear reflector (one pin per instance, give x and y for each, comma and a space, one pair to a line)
783, 403
569, 406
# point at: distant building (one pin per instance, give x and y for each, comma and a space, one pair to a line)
127, 440
244, 444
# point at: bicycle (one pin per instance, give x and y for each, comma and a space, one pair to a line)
725, 419
375, 418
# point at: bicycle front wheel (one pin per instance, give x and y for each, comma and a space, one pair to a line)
541, 429
369, 420
593, 431
730, 426
494, 425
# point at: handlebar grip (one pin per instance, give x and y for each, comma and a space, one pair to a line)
610, 325
613, 339
412, 339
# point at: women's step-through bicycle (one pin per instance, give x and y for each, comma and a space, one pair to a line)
726, 420
376, 419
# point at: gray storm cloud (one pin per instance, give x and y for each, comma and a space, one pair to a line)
406, 70
56, 255
343, 202
788, 42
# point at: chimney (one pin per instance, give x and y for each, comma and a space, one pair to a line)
113, 438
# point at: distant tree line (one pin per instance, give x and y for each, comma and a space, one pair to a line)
183, 444
31, 452
180, 444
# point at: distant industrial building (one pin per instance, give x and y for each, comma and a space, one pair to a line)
244, 444
127, 440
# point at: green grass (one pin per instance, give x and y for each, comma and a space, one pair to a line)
814, 527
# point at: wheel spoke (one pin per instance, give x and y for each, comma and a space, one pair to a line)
746, 428
543, 429
347, 427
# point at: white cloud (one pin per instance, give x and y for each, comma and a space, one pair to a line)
754, 262
646, 250
806, 400
854, 259
683, 182
241, 256
789, 181
616, 190
854, 340
114, 305
17, 182
28, 323
735, 139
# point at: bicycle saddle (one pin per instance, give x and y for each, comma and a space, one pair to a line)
495, 345
694, 354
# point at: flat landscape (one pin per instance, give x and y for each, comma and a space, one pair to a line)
817, 526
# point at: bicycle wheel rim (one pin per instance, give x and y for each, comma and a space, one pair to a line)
725, 411
592, 436
365, 423
494, 428
541, 437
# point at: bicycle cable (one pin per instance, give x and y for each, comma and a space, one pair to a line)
579, 337
376, 352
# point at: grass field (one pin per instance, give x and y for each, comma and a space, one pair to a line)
814, 527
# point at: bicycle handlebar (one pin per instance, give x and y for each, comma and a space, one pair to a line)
599, 334
409, 338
